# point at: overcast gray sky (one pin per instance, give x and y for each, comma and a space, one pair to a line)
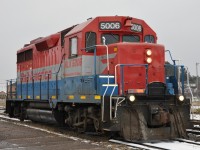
176, 23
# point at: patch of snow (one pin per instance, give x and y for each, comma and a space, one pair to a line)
175, 145
131, 144
195, 116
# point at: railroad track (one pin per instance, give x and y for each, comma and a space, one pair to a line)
2, 108
193, 131
138, 145
162, 145
63, 132
195, 122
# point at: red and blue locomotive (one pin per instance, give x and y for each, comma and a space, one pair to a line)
105, 74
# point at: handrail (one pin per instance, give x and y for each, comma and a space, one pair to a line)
108, 71
188, 85
47, 73
111, 101
31, 78
182, 76
61, 63
117, 104
107, 56
102, 106
134, 65
9, 91
174, 61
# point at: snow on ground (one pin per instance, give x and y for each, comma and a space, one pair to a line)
175, 145
171, 145
195, 107
195, 116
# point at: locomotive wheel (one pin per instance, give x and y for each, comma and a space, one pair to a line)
69, 121
60, 117
21, 117
97, 125
11, 113
22, 112
80, 124
10, 109
80, 121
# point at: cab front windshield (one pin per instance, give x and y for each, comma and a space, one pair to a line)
110, 38
130, 38
115, 38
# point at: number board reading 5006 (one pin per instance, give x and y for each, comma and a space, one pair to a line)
110, 25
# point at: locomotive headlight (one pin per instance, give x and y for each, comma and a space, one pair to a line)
132, 98
148, 52
148, 60
181, 98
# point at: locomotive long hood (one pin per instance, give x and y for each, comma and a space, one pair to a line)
47, 42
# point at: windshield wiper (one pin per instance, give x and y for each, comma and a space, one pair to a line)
137, 40
88, 36
114, 37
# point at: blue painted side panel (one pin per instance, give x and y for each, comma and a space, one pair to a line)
32, 91
87, 86
170, 86
109, 90
103, 81
84, 85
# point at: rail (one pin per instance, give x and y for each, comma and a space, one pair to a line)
173, 144
118, 102
11, 89
108, 72
173, 60
180, 75
95, 55
31, 79
192, 96
29, 83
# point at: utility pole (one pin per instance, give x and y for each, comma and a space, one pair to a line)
197, 79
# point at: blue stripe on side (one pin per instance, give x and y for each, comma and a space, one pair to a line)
102, 80
26, 89
88, 86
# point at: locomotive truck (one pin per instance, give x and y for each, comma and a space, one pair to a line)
107, 74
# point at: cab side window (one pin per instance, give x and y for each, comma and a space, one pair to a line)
90, 40
73, 47
149, 39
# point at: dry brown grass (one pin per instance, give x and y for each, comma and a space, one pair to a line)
196, 107
196, 103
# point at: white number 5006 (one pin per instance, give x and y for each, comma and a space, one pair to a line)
110, 25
